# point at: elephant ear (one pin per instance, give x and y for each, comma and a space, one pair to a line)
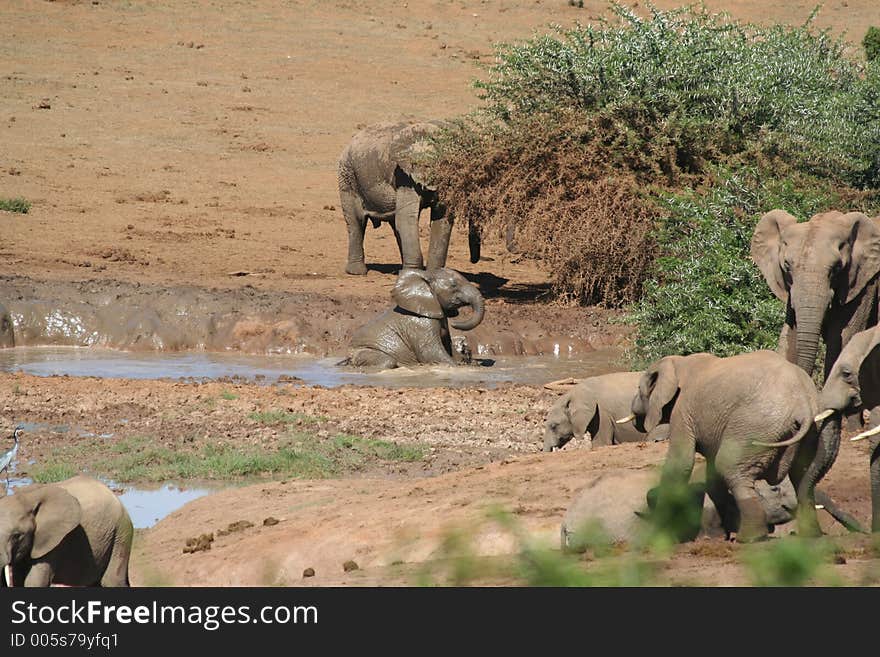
865, 265
580, 413
664, 387
765, 249
413, 147
56, 514
413, 293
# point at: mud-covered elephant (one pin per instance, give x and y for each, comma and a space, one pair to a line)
751, 416
589, 411
380, 179
7, 335
854, 385
825, 271
416, 330
72, 533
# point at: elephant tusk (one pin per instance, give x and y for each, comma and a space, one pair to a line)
866, 434
7, 575
820, 507
625, 420
824, 414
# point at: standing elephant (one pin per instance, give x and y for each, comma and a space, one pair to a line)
72, 533
7, 337
380, 180
825, 270
589, 410
416, 331
751, 416
852, 385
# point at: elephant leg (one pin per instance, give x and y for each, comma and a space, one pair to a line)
752, 517
875, 484
406, 219
373, 358
40, 575
397, 239
116, 573
356, 220
812, 461
441, 230
724, 502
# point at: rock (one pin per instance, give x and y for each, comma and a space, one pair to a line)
233, 527
270, 522
198, 543
308, 572
350, 565
613, 497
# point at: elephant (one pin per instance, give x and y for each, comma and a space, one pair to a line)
416, 330
380, 179
825, 270
71, 533
7, 335
589, 410
751, 416
853, 385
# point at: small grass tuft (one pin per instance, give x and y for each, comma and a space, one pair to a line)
285, 417
52, 472
18, 204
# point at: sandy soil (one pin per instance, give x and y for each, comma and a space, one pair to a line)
185, 143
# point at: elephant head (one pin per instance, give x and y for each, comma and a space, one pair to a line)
571, 416
33, 522
437, 294
7, 338
815, 267
854, 368
659, 388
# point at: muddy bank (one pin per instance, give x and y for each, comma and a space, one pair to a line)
119, 315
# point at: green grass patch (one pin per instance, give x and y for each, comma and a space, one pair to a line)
19, 205
285, 417
303, 455
52, 472
228, 396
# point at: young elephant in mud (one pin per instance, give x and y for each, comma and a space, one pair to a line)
853, 384
72, 533
416, 331
590, 409
751, 416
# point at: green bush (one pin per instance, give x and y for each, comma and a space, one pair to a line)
871, 43
634, 159
18, 204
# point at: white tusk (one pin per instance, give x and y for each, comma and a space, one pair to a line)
624, 420
820, 506
7, 575
826, 413
866, 434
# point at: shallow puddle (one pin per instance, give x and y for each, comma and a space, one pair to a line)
148, 504
206, 366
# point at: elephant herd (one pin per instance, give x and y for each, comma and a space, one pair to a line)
758, 416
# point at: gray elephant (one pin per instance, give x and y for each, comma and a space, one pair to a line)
853, 385
751, 416
7, 335
825, 270
72, 533
380, 180
590, 409
416, 330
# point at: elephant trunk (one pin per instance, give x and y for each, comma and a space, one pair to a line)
826, 454
474, 241
809, 315
474, 299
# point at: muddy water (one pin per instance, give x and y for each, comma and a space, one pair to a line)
305, 370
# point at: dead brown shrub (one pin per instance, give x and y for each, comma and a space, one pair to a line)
564, 187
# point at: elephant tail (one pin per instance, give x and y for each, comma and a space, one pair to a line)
796, 438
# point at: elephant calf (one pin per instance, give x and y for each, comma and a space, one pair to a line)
416, 330
590, 410
72, 533
752, 417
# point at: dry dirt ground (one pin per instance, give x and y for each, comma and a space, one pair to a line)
194, 143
